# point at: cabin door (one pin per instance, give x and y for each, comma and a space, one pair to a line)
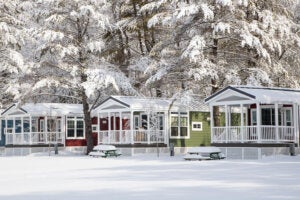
287, 122
286, 117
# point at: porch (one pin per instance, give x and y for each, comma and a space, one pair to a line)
131, 137
40, 124
131, 121
268, 134
38, 138
254, 115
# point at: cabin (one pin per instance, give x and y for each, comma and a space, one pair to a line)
42, 124
145, 122
254, 116
123, 121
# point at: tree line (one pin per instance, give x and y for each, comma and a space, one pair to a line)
76, 51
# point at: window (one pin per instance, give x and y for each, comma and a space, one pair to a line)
94, 127
58, 125
197, 126
34, 124
179, 125
268, 116
79, 128
9, 126
26, 124
288, 117
75, 127
136, 122
174, 126
161, 122
42, 125
71, 128
144, 121
253, 118
18, 125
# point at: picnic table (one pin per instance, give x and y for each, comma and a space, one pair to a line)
204, 153
105, 151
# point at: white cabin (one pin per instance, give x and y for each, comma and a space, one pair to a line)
255, 115
41, 124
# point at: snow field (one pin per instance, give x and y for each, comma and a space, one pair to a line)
147, 177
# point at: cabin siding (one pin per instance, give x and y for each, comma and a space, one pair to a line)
197, 138
80, 142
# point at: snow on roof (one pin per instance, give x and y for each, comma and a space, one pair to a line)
269, 95
53, 109
264, 94
160, 103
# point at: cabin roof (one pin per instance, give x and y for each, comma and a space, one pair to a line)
141, 103
56, 109
259, 94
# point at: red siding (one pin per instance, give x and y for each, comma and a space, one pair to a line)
94, 120
103, 124
80, 142
75, 142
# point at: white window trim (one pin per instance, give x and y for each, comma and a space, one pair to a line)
197, 129
75, 119
94, 128
188, 128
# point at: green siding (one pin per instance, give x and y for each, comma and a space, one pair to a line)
197, 138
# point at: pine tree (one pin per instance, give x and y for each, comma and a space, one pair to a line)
11, 41
72, 54
219, 42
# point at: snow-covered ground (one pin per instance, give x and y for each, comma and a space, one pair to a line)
65, 177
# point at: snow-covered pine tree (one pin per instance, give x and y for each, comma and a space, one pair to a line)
220, 42
138, 39
71, 53
11, 41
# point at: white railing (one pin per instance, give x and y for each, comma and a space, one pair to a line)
34, 138
251, 134
131, 137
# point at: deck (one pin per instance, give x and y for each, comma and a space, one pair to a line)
254, 134
34, 138
120, 137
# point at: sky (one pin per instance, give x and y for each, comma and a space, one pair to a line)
146, 176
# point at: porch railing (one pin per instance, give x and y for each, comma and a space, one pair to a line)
131, 137
34, 138
251, 134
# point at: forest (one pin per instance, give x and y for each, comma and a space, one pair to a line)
74, 51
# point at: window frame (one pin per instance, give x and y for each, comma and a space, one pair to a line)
180, 115
197, 129
75, 120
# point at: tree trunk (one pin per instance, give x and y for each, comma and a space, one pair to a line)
138, 30
87, 122
215, 87
216, 109
88, 128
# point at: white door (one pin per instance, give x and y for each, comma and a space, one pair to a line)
287, 117
287, 122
